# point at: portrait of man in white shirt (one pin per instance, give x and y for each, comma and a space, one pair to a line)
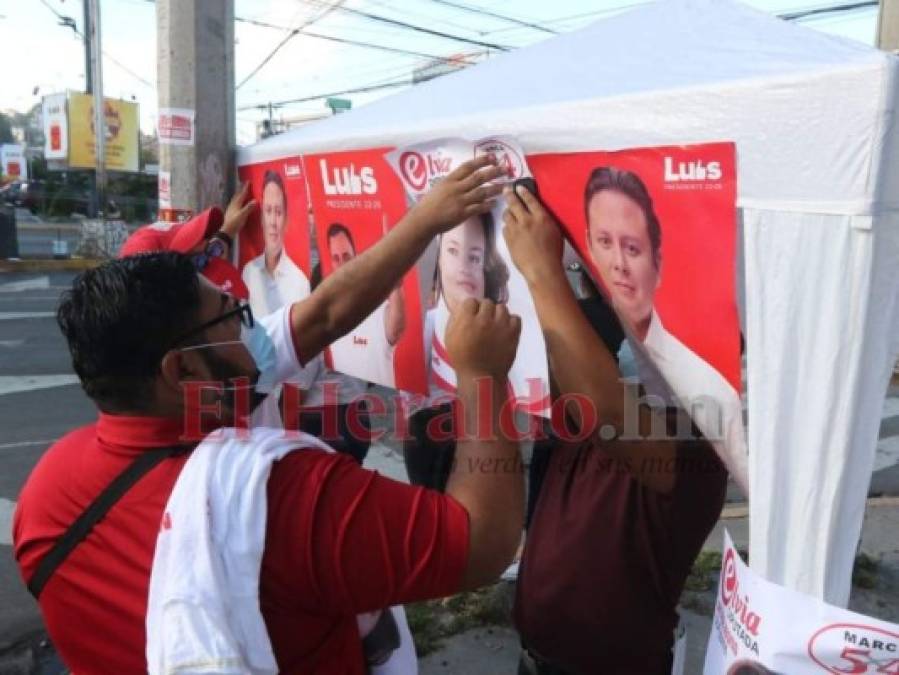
366, 351
273, 279
624, 240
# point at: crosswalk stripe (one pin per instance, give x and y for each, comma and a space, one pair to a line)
38, 283
10, 316
13, 384
7, 508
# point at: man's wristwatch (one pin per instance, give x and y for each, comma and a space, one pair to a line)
219, 245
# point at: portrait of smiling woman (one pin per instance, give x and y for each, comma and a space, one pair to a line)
468, 266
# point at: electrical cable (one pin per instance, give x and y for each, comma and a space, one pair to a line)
294, 32
421, 29
503, 17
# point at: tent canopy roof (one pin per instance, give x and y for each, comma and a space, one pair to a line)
670, 72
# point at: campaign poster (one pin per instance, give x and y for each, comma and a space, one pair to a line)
656, 227
761, 628
472, 261
274, 257
356, 199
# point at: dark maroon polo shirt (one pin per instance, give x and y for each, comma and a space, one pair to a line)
606, 559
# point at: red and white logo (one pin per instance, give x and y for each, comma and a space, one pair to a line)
696, 170
855, 648
348, 180
414, 170
504, 155
729, 582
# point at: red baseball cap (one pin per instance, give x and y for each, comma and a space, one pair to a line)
181, 237
225, 275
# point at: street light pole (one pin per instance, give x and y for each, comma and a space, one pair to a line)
92, 33
888, 25
88, 82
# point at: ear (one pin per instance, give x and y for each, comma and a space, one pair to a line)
658, 274
178, 366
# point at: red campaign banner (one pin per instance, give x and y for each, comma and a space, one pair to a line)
274, 256
684, 272
356, 198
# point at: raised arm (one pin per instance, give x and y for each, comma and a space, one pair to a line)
487, 480
353, 292
579, 360
395, 316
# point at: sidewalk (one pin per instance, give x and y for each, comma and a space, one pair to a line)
493, 650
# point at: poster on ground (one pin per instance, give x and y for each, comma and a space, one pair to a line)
761, 628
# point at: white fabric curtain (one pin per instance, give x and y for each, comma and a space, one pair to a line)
822, 318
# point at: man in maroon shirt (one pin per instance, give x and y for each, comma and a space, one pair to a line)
340, 540
619, 520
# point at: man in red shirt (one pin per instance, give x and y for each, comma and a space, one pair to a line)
340, 540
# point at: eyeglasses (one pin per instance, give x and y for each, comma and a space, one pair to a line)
242, 310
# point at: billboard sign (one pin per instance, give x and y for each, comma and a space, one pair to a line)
56, 126
122, 132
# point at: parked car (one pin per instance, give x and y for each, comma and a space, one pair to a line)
12, 193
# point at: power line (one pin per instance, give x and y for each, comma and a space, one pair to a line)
573, 17
347, 41
422, 29
409, 13
503, 17
327, 10
355, 90
804, 14
68, 22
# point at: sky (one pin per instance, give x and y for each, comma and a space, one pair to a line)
45, 57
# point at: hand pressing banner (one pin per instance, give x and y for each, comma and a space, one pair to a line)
471, 261
656, 228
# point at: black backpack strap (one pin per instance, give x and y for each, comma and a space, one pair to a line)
94, 513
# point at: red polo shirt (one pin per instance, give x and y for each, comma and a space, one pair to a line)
340, 540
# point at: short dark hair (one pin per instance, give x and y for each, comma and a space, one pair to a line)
272, 176
119, 320
335, 229
630, 185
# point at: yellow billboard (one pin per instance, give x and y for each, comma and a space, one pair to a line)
122, 131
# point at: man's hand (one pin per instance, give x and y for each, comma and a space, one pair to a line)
238, 212
462, 194
482, 339
532, 236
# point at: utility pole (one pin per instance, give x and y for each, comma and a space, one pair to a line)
196, 123
92, 34
888, 26
88, 82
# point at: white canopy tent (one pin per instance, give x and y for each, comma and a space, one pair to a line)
813, 118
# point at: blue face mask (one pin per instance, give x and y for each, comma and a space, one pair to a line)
259, 343
627, 362
261, 348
